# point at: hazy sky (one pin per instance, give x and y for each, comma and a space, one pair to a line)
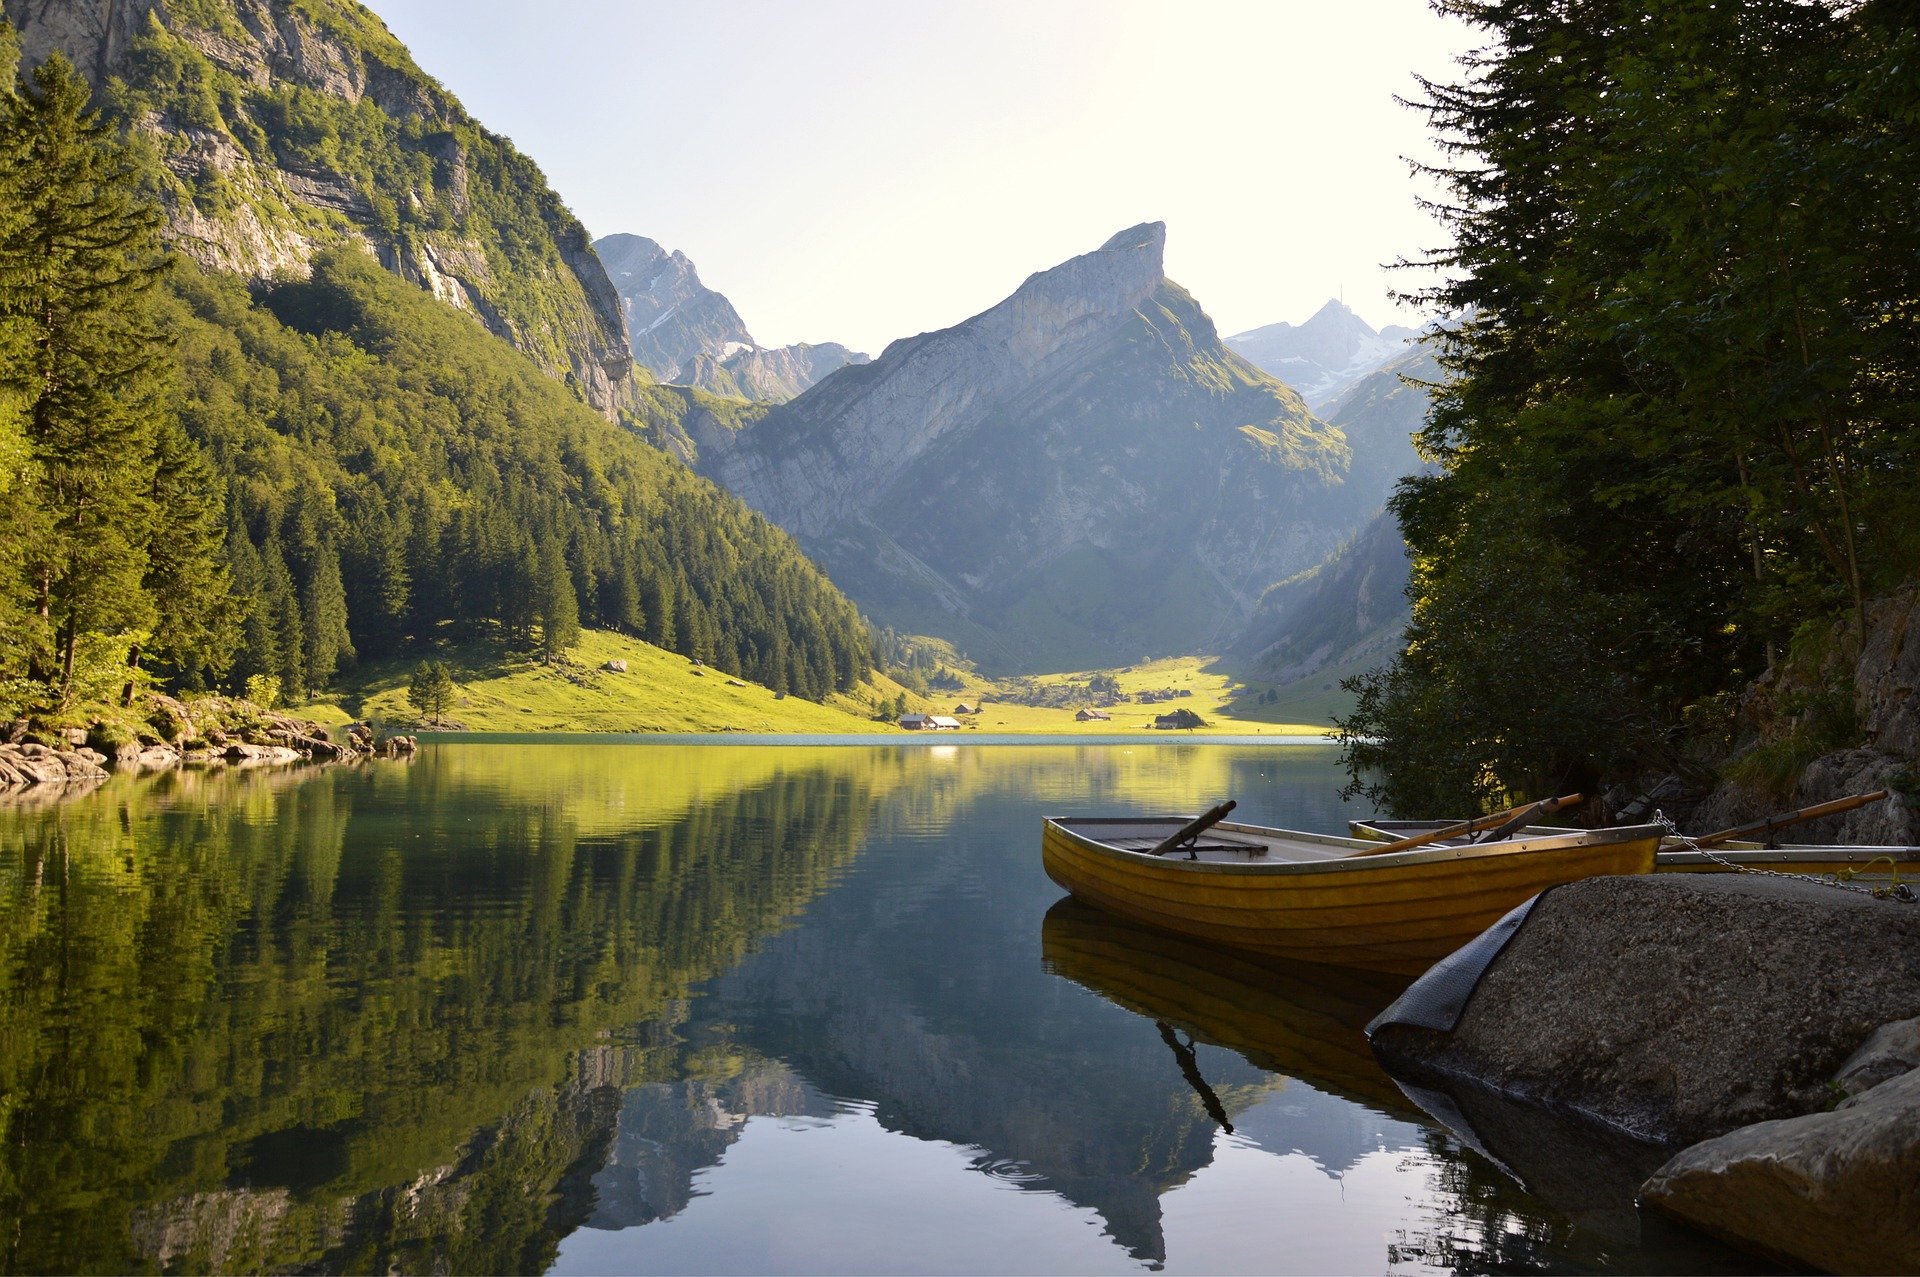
853, 171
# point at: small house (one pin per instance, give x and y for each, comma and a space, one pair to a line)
915, 722
961, 708
941, 723
1093, 716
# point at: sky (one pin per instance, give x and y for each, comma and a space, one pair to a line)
852, 171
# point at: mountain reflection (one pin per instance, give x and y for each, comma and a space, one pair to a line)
513, 1007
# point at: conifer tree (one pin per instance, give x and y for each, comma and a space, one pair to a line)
76, 283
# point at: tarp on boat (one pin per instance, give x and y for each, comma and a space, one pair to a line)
1437, 999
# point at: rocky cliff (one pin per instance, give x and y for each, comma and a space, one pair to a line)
1325, 356
1080, 475
282, 127
690, 335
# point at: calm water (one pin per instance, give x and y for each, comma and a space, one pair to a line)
675, 1008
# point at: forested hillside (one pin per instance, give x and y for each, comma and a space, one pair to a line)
1679, 433
214, 483
384, 453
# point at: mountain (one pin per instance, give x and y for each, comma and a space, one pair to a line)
686, 333
770, 376
1080, 475
1323, 357
282, 128
671, 315
1353, 605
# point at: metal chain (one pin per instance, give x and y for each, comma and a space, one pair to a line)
1898, 891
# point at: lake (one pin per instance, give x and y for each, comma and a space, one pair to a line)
519, 1006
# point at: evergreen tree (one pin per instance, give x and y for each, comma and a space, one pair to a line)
76, 284
323, 608
196, 619
430, 690
558, 609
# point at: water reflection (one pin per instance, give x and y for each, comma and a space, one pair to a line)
602, 1007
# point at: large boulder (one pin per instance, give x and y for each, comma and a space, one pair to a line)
1676, 1007
1839, 1190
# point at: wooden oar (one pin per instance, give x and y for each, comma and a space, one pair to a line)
1772, 823
1194, 828
1506, 821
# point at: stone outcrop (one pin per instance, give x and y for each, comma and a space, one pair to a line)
1677, 1007
1839, 1191
1882, 688
23, 766
1076, 476
214, 731
241, 199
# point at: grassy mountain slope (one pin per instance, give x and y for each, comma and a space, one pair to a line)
282, 128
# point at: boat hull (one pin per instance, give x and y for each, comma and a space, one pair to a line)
1398, 912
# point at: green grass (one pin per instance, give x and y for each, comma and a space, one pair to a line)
499, 690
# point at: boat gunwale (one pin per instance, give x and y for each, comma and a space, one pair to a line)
1067, 827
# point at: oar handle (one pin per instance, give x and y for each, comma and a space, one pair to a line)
1523, 814
1784, 819
1195, 827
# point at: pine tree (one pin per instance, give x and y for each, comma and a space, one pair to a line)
76, 282
196, 619
323, 607
558, 609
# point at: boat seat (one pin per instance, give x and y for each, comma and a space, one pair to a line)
1206, 842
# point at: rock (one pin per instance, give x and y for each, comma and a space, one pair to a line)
157, 758
1893, 1049
615, 666
1839, 1191
75, 736
1675, 1007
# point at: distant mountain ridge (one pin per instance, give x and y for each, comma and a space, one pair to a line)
688, 334
1079, 475
1325, 356
1353, 605
284, 127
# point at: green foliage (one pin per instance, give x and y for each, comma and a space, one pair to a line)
374, 438
1683, 385
112, 516
430, 690
263, 690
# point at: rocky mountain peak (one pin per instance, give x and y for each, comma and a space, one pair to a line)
1068, 477
1324, 357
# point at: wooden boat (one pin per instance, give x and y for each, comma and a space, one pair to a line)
1306, 897
1888, 864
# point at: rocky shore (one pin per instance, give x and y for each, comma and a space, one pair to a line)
215, 731
1764, 1031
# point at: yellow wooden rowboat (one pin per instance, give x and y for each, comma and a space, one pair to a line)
1300, 896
